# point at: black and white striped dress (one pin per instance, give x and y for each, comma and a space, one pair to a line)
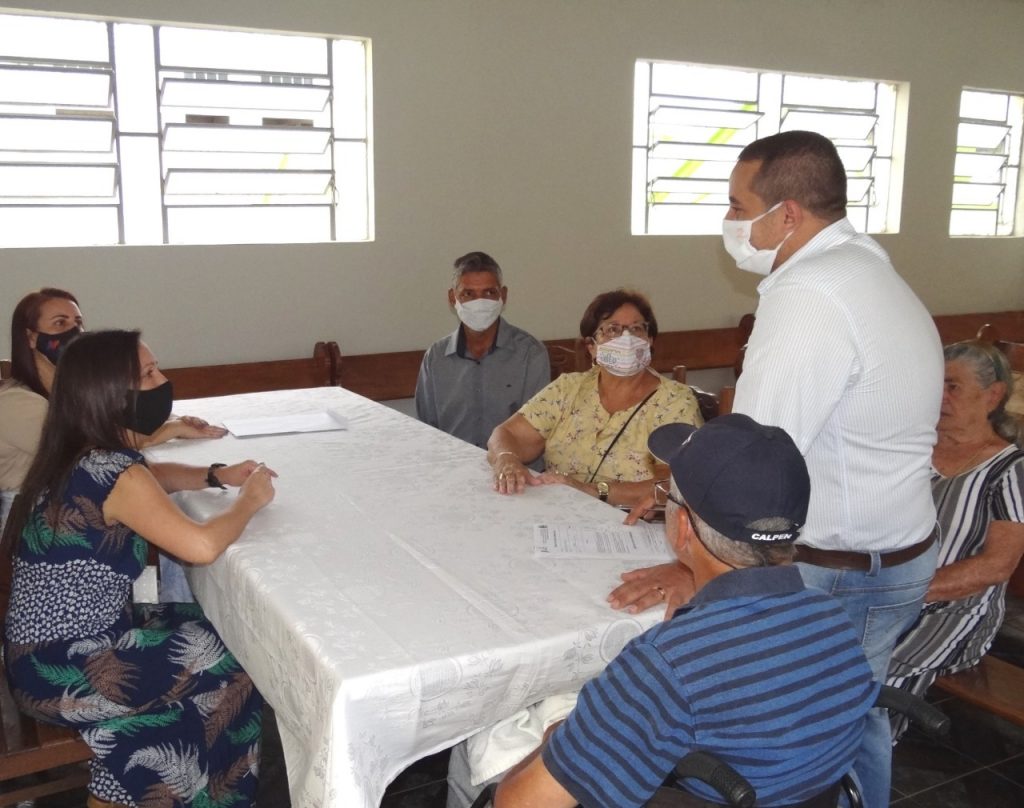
950, 636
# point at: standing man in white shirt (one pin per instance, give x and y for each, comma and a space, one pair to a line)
483, 372
846, 359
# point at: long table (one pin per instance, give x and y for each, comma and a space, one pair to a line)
387, 603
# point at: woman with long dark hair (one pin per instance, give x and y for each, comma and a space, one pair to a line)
168, 711
42, 325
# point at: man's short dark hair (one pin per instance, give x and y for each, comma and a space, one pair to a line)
475, 261
802, 166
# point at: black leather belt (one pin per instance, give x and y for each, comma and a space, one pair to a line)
849, 560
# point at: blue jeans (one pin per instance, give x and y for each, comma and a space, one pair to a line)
882, 604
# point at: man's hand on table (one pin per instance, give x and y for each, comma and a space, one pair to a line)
669, 584
645, 509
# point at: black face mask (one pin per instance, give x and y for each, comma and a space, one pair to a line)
152, 408
52, 345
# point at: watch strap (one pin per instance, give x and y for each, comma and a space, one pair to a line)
211, 478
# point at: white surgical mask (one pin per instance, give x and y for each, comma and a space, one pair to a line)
480, 314
736, 237
625, 355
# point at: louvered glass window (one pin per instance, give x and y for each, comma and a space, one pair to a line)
987, 178
58, 145
692, 121
126, 133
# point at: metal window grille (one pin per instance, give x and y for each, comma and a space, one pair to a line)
127, 133
692, 121
986, 174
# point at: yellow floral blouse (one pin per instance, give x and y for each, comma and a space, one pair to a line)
577, 429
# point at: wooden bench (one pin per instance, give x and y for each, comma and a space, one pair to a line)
257, 377
29, 747
993, 685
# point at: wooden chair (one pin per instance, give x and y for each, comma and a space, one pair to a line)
257, 377
993, 685
5, 369
567, 359
382, 376
708, 402
31, 749
727, 395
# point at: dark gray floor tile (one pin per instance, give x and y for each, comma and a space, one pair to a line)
982, 736
920, 763
428, 796
1012, 769
423, 772
980, 789
273, 788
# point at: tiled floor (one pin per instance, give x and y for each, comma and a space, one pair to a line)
981, 764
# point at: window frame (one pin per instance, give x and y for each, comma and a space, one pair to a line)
146, 170
766, 106
1009, 207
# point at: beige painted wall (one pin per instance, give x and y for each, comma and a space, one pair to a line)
504, 125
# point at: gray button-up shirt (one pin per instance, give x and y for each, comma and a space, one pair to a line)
468, 397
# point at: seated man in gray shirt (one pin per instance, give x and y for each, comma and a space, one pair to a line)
484, 371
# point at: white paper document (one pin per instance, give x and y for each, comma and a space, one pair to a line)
322, 421
641, 541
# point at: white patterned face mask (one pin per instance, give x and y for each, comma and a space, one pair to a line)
480, 314
736, 238
625, 355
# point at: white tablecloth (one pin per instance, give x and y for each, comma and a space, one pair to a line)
387, 603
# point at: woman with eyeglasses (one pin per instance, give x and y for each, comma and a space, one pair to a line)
42, 325
592, 427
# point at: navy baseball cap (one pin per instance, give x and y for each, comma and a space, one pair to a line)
734, 471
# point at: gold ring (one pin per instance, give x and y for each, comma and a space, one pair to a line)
660, 591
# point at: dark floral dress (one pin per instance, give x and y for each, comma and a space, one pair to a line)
171, 716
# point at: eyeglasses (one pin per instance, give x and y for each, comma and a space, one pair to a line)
663, 494
614, 330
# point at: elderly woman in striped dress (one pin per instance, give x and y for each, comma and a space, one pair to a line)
978, 485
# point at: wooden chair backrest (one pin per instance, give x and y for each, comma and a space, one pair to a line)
255, 377
563, 359
708, 402
7, 544
381, 377
725, 398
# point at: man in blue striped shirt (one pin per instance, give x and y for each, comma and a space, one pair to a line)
757, 669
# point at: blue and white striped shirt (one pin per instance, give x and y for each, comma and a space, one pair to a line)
757, 669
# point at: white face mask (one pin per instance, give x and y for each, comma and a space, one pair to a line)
736, 237
625, 355
480, 314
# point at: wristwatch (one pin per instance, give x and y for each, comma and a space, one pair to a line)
211, 478
602, 491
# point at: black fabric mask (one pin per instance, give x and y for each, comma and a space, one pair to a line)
152, 408
52, 345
